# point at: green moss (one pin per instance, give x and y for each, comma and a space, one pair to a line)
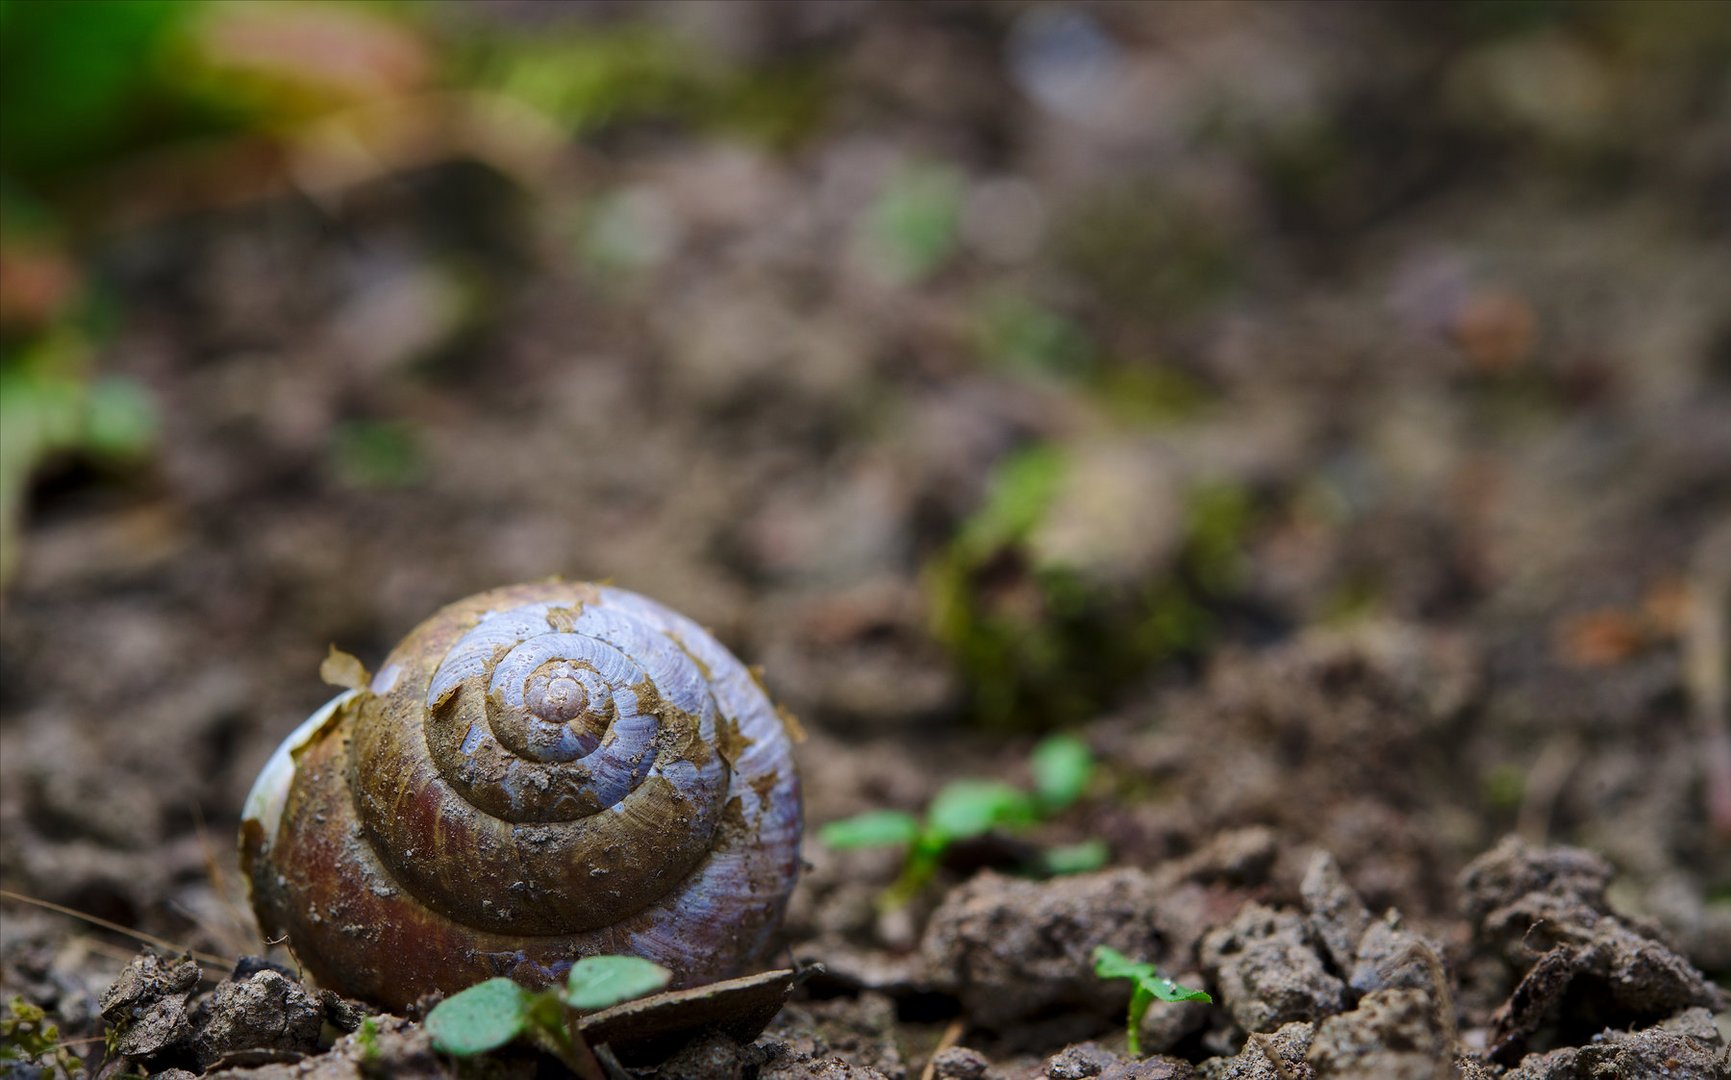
376, 454
1150, 394
50, 405
1504, 786
589, 79
1018, 334
912, 227
1041, 644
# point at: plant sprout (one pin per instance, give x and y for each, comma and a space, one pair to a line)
963, 809
1109, 963
490, 1014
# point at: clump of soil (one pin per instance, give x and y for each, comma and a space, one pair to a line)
260, 1015
1308, 985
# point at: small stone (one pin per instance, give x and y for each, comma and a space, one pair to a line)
342, 1013
1392, 1035
1289, 1044
1080, 1061
1389, 955
1091, 1060
1685, 1047
1269, 972
713, 1057
1337, 914
959, 1063
266, 1012
146, 1007
1550, 903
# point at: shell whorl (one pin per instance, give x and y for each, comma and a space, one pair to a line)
540, 773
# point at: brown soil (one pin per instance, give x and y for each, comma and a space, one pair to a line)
1470, 357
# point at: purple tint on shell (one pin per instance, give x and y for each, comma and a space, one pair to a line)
567, 744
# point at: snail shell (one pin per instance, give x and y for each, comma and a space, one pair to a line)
536, 774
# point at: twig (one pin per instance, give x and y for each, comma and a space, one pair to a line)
1706, 660
951, 1036
114, 927
1421, 951
1271, 1050
1545, 781
610, 1063
67, 1044
123, 955
241, 930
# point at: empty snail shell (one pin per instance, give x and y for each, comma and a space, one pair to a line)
536, 774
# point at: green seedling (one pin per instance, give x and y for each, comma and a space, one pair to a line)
28, 1039
1045, 631
915, 222
964, 809
491, 1014
1109, 963
367, 1039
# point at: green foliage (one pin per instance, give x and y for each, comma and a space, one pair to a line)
1075, 858
588, 80
1217, 518
1022, 491
969, 808
1042, 642
1062, 766
79, 80
1019, 334
583, 81
28, 1038
963, 809
875, 828
1504, 786
367, 1038
484, 1017
1150, 395
50, 405
494, 1013
913, 225
1149, 985
597, 982
377, 454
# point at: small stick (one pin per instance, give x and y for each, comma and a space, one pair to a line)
1706, 659
1545, 782
951, 1036
114, 927
124, 955
1271, 1050
610, 1063
1421, 951
241, 930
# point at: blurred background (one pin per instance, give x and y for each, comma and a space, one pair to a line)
1325, 403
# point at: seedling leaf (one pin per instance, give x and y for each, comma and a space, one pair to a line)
484, 1017
1167, 990
1109, 963
966, 808
597, 982
876, 828
1076, 858
1062, 766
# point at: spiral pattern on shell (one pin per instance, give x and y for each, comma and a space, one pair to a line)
535, 774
